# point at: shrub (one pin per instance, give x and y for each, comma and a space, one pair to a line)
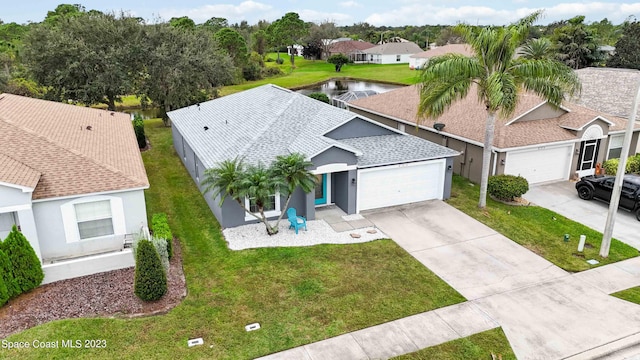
320, 97
8, 286
25, 265
138, 127
633, 164
271, 71
279, 61
611, 166
150, 279
161, 229
161, 247
507, 187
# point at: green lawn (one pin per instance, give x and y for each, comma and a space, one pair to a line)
538, 229
298, 295
477, 346
632, 295
308, 72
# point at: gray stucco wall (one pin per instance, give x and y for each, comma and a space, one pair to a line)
51, 233
12, 197
448, 174
344, 193
334, 156
543, 112
358, 128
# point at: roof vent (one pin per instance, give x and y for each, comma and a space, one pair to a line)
112, 114
198, 105
89, 127
438, 126
206, 128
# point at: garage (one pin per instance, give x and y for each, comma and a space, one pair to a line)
400, 184
540, 164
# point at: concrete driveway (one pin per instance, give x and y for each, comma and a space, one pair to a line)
562, 198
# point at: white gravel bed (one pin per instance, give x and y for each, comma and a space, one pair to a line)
318, 232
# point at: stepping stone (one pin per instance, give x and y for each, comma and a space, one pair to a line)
355, 236
372, 231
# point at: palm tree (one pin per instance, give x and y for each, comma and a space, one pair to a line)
536, 49
499, 77
231, 178
293, 169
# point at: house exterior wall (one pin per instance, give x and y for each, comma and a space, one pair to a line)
344, 191
543, 112
49, 222
11, 197
358, 128
417, 63
333, 156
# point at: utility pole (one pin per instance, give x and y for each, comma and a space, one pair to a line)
617, 185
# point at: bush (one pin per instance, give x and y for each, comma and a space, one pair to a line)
161, 229
25, 265
271, 71
633, 164
320, 97
150, 278
161, 247
8, 286
611, 166
138, 127
507, 187
279, 61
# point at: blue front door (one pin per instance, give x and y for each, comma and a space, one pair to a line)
321, 189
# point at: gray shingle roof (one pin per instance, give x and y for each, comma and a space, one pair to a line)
267, 121
608, 90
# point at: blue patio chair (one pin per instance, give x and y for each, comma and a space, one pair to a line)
296, 221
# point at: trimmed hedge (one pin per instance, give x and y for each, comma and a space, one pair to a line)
26, 267
150, 278
161, 229
320, 97
507, 187
632, 167
138, 128
8, 286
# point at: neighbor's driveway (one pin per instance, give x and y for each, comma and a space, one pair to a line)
562, 198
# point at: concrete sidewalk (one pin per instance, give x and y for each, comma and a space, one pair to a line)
545, 312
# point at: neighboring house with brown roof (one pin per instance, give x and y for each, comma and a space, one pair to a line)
352, 49
417, 61
72, 179
538, 142
392, 53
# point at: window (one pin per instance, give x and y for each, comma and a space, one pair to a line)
398, 57
271, 208
615, 147
94, 219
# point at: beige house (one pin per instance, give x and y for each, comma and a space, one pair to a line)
538, 142
417, 61
72, 180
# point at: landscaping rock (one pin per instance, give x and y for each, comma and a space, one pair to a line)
372, 231
355, 236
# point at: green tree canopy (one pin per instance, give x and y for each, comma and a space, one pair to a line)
495, 75
287, 31
575, 44
183, 22
627, 53
234, 44
215, 24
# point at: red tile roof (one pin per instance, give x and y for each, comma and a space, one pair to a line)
77, 150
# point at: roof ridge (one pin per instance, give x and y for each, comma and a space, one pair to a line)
72, 151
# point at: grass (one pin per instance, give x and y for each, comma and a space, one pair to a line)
298, 295
309, 72
477, 346
631, 295
538, 229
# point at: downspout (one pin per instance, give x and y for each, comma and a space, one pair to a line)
495, 161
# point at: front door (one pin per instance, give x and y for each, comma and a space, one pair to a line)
321, 189
588, 157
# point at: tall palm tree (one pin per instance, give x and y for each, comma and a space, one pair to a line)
536, 49
499, 77
293, 169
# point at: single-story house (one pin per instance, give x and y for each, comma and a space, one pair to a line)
352, 49
539, 142
417, 61
72, 180
360, 164
392, 53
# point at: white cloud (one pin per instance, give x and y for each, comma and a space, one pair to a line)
350, 4
319, 16
251, 11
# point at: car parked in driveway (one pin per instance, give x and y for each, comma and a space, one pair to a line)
601, 187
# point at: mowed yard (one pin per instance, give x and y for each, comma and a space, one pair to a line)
298, 295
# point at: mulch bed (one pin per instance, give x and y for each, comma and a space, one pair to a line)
108, 294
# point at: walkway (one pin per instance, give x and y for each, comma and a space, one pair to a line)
545, 312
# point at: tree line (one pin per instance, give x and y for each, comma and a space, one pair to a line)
92, 57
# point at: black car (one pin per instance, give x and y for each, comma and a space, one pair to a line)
601, 186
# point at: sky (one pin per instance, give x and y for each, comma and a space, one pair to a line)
341, 12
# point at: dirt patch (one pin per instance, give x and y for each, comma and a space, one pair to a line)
108, 294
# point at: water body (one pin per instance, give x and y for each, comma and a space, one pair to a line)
335, 88
149, 113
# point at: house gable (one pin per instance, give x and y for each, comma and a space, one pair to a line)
13, 198
358, 127
334, 155
541, 112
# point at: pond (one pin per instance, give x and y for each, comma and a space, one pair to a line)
335, 88
149, 113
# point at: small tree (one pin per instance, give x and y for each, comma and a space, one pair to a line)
150, 278
8, 286
138, 128
320, 97
338, 60
26, 267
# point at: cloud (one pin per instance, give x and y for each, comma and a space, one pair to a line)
350, 4
251, 11
320, 16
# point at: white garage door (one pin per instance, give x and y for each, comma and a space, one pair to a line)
400, 184
540, 164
